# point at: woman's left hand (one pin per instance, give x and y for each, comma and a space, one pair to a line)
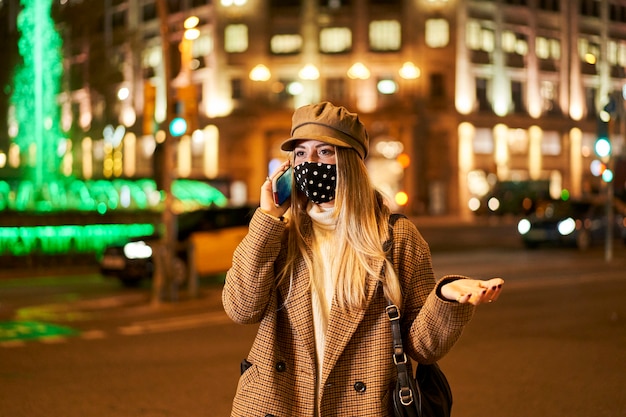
472, 291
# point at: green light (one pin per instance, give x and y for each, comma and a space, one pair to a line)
100, 196
36, 87
603, 147
23, 330
50, 240
178, 126
607, 175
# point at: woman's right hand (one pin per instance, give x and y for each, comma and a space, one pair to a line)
267, 198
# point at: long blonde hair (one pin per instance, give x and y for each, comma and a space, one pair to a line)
362, 222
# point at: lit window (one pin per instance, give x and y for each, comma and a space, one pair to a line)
202, 46
551, 143
555, 48
483, 141
236, 38
473, 35
514, 43
508, 41
518, 141
335, 40
385, 35
488, 41
621, 55
286, 44
542, 47
548, 96
437, 33
616, 52
479, 38
588, 51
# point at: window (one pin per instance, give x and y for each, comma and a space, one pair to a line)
437, 86
118, 19
590, 102
589, 53
335, 40
547, 48
236, 38
518, 141
437, 33
236, 87
479, 38
202, 46
286, 44
514, 43
548, 92
482, 95
590, 8
483, 141
549, 5
174, 6
385, 35
551, 143
517, 95
149, 12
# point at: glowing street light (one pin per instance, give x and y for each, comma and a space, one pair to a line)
309, 72
409, 71
358, 71
260, 73
191, 31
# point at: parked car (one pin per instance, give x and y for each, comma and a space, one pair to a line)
512, 198
205, 243
578, 224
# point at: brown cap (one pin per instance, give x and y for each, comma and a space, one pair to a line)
328, 123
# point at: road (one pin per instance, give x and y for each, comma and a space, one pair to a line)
553, 345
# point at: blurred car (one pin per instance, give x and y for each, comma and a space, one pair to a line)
205, 243
511, 198
578, 224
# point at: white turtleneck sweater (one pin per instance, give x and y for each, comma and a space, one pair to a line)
324, 277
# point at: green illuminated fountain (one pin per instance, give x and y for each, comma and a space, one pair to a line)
42, 191
36, 87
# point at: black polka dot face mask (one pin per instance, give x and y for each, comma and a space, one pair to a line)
316, 180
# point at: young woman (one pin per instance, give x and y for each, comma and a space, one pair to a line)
314, 274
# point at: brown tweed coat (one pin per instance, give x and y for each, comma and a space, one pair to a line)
358, 367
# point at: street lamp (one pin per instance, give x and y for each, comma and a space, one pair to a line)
358, 71
260, 73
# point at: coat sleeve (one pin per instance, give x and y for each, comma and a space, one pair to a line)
251, 279
431, 325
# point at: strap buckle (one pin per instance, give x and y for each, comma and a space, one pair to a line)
406, 396
393, 312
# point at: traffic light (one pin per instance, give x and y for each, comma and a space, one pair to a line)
187, 106
178, 126
603, 147
149, 105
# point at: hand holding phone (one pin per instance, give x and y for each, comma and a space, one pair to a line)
281, 187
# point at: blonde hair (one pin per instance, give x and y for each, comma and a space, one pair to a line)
362, 223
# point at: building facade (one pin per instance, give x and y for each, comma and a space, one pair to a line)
457, 95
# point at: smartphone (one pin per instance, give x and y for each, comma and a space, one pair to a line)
281, 187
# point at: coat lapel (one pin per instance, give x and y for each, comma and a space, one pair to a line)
342, 325
299, 308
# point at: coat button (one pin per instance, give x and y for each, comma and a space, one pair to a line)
269, 415
359, 386
281, 366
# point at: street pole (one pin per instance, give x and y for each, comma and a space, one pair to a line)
610, 217
164, 283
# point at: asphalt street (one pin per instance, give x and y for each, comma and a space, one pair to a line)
553, 345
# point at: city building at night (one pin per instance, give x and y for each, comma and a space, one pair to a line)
457, 95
